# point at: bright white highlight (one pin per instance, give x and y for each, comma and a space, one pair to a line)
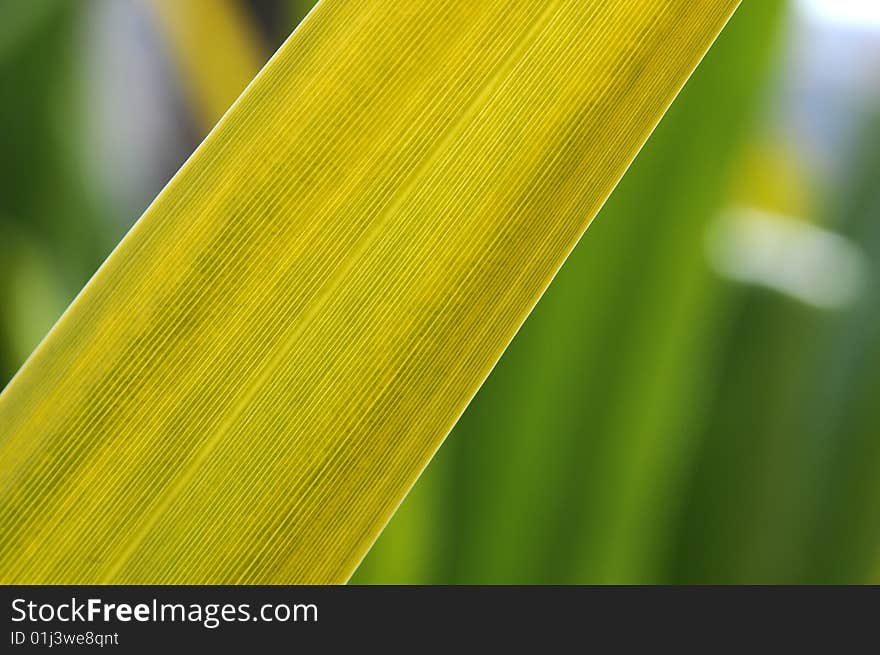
788, 255
864, 13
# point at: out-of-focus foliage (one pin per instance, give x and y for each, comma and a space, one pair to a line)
651, 422
840, 413
52, 231
19, 21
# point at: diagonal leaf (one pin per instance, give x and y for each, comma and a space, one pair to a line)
253, 380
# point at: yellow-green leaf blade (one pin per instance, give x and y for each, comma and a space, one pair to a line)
254, 379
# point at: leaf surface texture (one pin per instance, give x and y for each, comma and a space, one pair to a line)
254, 379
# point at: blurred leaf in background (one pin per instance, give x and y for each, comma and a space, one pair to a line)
842, 412
54, 232
784, 488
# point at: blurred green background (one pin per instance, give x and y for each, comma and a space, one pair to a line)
696, 399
